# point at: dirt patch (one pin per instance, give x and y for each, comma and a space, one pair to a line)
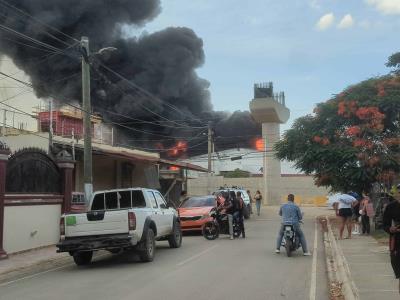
335, 291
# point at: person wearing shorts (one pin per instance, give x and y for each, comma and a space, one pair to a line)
343, 207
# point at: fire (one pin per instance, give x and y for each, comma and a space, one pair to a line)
174, 168
179, 148
259, 144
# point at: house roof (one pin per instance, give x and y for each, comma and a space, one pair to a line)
183, 165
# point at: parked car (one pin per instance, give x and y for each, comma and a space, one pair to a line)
123, 219
245, 196
194, 212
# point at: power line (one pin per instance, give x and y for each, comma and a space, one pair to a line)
143, 91
5, 3
148, 122
27, 45
79, 108
21, 35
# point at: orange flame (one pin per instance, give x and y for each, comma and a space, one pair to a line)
179, 148
259, 144
174, 168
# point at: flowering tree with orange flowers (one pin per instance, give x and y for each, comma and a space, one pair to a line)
352, 140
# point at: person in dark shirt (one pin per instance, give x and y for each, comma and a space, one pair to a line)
239, 212
391, 224
227, 208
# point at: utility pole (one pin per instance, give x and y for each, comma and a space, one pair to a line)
87, 126
209, 147
210, 144
50, 125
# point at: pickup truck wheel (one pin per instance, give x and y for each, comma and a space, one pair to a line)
149, 246
175, 239
83, 258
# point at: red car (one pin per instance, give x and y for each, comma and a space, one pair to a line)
195, 211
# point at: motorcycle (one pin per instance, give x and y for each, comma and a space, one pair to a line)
291, 240
219, 225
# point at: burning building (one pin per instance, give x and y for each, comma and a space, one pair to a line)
157, 96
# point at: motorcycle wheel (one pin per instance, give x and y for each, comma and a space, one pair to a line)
236, 231
210, 231
288, 247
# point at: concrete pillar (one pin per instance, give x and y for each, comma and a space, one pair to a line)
67, 184
66, 165
269, 112
4, 153
272, 166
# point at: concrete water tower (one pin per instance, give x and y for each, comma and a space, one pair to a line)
270, 110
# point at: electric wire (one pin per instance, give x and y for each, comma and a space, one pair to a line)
6, 3
91, 114
143, 91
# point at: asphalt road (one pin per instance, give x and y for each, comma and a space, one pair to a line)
200, 269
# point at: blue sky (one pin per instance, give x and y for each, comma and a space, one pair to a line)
297, 44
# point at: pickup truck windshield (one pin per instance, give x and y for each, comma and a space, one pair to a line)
118, 200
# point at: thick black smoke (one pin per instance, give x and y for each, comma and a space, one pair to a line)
162, 63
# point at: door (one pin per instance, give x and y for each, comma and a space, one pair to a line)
167, 213
157, 214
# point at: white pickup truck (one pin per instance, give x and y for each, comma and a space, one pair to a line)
122, 219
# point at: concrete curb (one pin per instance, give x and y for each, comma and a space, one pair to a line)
35, 267
341, 284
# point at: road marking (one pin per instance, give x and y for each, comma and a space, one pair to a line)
196, 256
313, 285
378, 291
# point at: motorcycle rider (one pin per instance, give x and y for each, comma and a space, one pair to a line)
291, 215
227, 208
238, 206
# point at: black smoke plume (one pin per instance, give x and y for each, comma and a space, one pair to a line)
162, 63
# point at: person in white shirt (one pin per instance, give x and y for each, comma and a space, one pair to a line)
343, 207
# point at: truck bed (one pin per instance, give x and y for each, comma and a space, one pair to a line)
94, 223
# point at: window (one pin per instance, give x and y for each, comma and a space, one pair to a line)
138, 199
98, 202
78, 198
152, 199
124, 199
160, 201
111, 200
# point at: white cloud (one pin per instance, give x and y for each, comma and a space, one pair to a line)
325, 21
388, 7
346, 22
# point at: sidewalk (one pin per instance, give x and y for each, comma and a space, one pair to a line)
31, 262
369, 265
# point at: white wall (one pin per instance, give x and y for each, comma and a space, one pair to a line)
29, 227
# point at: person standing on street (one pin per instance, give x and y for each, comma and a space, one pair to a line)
227, 208
258, 199
391, 224
251, 201
343, 208
291, 215
239, 212
367, 212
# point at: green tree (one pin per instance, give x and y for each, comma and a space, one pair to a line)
237, 173
352, 140
394, 62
